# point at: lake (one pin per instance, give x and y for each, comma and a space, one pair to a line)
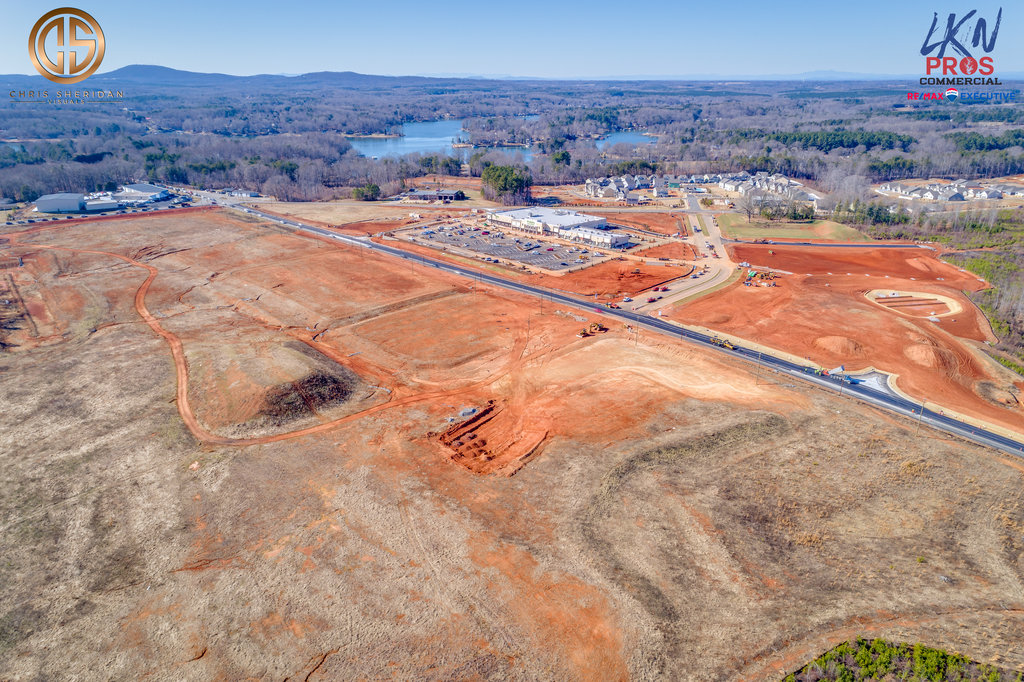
431, 137
628, 137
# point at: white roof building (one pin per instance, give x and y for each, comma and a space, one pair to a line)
64, 202
561, 223
541, 220
595, 236
140, 193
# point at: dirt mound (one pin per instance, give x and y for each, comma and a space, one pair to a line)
839, 345
930, 356
919, 338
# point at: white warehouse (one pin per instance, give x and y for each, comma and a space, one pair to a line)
65, 202
141, 193
569, 225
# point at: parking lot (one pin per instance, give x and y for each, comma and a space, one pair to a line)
162, 205
497, 246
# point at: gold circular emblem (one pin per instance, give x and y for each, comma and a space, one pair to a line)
75, 32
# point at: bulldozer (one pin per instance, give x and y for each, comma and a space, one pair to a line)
583, 333
596, 327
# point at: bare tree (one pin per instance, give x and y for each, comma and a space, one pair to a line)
747, 204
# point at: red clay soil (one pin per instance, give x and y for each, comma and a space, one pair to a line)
909, 263
914, 305
662, 223
397, 398
485, 445
609, 280
676, 250
828, 320
565, 196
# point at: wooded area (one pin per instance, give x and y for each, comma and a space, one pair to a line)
286, 137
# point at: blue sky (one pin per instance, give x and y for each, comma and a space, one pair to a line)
598, 38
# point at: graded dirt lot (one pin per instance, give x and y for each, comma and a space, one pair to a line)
670, 516
357, 217
675, 250
735, 226
609, 280
662, 223
820, 311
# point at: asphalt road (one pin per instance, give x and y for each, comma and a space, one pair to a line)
887, 401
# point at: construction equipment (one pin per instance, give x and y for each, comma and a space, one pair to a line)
722, 343
636, 271
596, 327
583, 333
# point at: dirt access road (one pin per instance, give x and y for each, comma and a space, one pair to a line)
716, 527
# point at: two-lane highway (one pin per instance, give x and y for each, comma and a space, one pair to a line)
887, 401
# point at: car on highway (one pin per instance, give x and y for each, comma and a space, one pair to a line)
627, 299
550, 249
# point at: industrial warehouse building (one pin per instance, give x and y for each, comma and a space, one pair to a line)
93, 205
65, 202
578, 227
435, 194
69, 202
141, 193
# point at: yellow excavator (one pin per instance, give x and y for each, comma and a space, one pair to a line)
596, 327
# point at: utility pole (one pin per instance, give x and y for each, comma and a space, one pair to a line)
920, 418
757, 379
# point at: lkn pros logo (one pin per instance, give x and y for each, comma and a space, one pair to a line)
66, 45
960, 53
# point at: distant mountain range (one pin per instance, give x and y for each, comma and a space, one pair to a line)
151, 76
